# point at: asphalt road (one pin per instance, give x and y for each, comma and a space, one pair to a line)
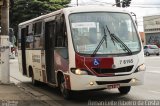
149, 92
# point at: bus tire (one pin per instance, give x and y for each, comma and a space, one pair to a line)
124, 90
34, 82
65, 92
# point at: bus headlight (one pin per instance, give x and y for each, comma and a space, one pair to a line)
141, 68
79, 71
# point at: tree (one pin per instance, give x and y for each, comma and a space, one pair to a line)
23, 10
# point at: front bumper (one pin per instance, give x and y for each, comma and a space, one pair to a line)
88, 82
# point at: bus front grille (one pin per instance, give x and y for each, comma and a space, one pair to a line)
113, 82
112, 71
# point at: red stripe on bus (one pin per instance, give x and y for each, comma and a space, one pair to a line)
84, 62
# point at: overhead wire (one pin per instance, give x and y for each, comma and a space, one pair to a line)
144, 6
132, 5
102, 2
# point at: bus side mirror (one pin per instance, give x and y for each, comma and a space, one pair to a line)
135, 18
136, 23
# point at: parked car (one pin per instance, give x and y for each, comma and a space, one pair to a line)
151, 50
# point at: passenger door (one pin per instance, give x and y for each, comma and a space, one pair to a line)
49, 50
24, 32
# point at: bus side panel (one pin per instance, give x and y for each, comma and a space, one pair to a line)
36, 60
62, 64
28, 60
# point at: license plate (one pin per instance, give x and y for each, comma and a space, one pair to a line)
113, 86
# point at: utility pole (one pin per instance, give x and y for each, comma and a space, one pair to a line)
4, 43
77, 2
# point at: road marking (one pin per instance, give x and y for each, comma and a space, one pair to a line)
155, 91
151, 67
152, 57
158, 72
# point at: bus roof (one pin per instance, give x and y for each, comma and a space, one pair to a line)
76, 10
93, 8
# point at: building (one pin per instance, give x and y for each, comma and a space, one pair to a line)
152, 29
142, 35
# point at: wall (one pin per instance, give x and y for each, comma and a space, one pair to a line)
152, 29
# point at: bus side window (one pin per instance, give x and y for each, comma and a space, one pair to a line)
61, 37
58, 34
38, 36
61, 34
29, 38
22, 37
19, 38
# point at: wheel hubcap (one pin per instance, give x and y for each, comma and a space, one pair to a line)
33, 80
62, 87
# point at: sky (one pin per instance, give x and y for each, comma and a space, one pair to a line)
140, 7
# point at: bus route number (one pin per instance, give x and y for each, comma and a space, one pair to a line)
128, 61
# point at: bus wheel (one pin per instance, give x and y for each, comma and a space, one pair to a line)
65, 92
124, 90
34, 82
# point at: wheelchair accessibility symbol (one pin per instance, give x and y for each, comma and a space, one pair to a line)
96, 62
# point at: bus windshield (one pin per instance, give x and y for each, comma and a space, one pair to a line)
89, 29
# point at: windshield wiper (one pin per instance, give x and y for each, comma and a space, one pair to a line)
114, 38
104, 38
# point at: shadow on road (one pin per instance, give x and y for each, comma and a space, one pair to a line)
80, 98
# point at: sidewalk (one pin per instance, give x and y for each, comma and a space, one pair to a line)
12, 95
17, 93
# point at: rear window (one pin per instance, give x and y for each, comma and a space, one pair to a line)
151, 47
154, 47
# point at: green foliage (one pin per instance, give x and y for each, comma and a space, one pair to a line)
23, 10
